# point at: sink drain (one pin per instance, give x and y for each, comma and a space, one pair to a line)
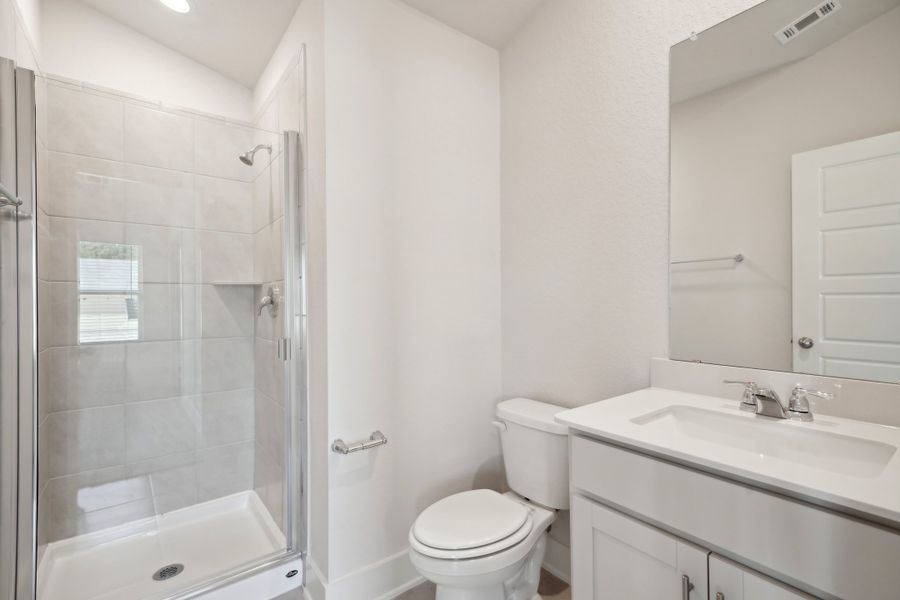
168, 572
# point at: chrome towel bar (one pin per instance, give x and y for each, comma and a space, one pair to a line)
7, 198
341, 447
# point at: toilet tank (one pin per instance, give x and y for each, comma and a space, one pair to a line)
535, 451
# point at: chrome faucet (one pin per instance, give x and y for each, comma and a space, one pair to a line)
762, 401
798, 405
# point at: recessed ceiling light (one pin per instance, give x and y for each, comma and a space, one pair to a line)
181, 6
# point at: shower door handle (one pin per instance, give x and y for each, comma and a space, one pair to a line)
7, 198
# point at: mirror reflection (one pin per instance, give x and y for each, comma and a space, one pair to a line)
785, 190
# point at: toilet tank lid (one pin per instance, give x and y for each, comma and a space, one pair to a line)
531, 413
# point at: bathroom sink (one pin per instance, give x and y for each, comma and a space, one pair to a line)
767, 439
850, 466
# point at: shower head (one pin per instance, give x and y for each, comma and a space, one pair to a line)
247, 157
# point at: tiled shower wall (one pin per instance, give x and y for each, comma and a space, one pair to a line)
282, 111
156, 412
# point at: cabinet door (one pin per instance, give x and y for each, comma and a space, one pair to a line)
730, 581
616, 557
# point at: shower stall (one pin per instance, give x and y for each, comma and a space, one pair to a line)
152, 347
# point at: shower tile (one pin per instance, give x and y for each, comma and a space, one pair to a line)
218, 145
85, 376
96, 500
268, 482
166, 253
226, 310
168, 311
224, 256
224, 470
268, 196
160, 427
270, 427
226, 364
173, 479
224, 205
85, 123
84, 187
62, 247
60, 313
158, 370
86, 439
226, 418
269, 370
268, 252
158, 196
158, 138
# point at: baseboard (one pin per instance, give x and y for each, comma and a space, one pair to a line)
382, 580
558, 560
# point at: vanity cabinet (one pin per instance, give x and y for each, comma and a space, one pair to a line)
731, 581
615, 556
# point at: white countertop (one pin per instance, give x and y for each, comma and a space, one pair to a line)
839, 462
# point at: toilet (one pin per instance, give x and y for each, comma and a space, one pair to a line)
483, 545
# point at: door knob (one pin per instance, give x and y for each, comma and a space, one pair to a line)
805, 342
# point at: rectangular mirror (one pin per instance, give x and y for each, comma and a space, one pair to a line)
785, 190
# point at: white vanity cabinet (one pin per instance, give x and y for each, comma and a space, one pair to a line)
730, 581
615, 557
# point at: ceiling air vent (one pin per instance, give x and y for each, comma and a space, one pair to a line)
826, 9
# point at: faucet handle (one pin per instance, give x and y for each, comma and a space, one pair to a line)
748, 401
798, 405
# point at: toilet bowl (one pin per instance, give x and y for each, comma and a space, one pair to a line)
483, 545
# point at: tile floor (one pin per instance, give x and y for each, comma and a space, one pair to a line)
551, 588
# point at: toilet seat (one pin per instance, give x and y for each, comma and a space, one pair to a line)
470, 525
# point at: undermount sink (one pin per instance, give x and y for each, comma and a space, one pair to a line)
767, 439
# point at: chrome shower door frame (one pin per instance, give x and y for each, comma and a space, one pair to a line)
18, 335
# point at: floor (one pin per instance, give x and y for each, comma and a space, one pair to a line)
551, 588
118, 564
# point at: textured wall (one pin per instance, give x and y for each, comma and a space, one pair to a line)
585, 194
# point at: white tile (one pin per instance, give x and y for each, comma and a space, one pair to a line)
224, 256
269, 370
226, 364
86, 439
218, 146
83, 376
166, 253
85, 187
59, 304
160, 427
268, 252
96, 500
159, 196
268, 481
226, 311
159, 370
268, 196
158, 138
173, 479
226, 418
270, 426
224, 205
168, 311
224, 470
84, 123
61, 247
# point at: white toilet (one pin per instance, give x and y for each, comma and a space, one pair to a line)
482, 545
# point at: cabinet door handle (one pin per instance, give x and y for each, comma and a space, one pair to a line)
686, 587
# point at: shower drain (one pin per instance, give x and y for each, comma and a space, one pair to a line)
168, 572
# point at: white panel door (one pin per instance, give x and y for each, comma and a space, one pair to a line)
616, 557
846, 259
729, 581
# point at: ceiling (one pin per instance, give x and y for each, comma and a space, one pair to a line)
233, 37
490, 21
745, 45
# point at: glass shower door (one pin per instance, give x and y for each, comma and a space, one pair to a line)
169, 278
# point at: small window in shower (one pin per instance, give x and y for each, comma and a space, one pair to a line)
108, 292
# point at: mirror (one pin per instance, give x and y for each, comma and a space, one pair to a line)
785, 190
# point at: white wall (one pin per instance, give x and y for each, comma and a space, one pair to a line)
19, 32
82, 44
413, 277
845, 92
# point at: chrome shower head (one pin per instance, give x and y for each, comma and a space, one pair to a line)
247, 157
